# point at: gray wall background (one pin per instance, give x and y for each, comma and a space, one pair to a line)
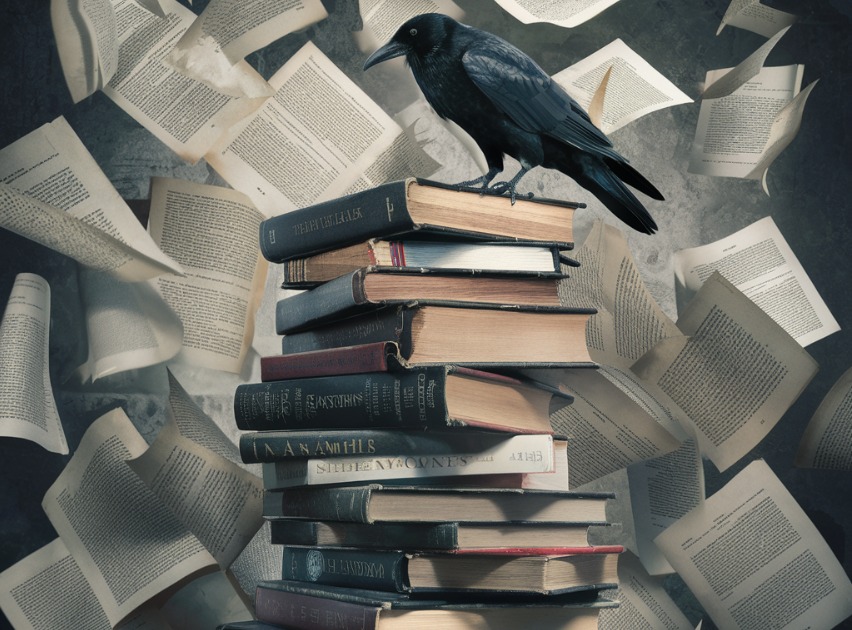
808, 184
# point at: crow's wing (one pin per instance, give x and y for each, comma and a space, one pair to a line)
519, 88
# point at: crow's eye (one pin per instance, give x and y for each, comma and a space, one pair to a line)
413, 32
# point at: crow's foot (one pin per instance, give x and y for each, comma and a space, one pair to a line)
501, 188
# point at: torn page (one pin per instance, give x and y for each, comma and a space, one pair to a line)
746, 70
733, 132
27, 407
309, 142
228, 30
754, 560
381, 18
53, 192
642, 601
734, 372
185, 115
662, 490
754, 16
126, 542
566, 13
634, 88
629, 321
759, 262
212, 231
827, 440
129, 326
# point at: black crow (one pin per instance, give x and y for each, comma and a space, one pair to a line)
510, 106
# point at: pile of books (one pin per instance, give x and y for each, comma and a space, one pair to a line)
411, 472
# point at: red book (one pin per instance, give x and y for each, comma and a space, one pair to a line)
368, 357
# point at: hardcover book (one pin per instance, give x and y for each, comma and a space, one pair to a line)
428, 397
369, 357
440, 536
374, 503
369, 288
532, 571
470, 258
482, 337
531, 453
415, 205
304, 606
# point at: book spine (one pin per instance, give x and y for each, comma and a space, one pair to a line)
355, 568
386, 324
413, 399
303, 612
348, 360
347, 504
420, 536
519, 454
378, 211
332, 300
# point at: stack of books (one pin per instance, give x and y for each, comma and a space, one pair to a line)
411, 475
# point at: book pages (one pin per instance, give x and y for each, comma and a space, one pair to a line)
629, 321
734, 372
567, 13
826, 442
642, 601
754, 16
754, 560
126, 542
760, 263
53, 192
129, 326
608, 431
309, 142
188, 116
662, 490
733, 132
228, 30
213, 232
27, 406
634, 87
381, 18
746, 70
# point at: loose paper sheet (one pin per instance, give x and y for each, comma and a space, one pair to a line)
759, 262
754, 560
827, 441
566, 13
746, 70
752, 15
27, 407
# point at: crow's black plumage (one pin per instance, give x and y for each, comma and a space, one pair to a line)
510, 106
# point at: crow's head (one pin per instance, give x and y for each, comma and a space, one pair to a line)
414, 39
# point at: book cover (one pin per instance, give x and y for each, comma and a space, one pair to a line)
380, 503
414, 205
544, 571
369, 288
428, 397
513, 454
368, 357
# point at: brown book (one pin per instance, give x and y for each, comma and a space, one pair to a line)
415, 205
431, 334
470, 258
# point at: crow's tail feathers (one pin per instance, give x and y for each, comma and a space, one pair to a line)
632, 177
611, 191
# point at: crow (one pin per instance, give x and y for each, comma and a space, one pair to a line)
510, 106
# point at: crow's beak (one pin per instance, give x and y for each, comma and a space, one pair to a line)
388, 51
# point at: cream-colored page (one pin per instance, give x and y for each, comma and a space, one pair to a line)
746, 70
381, 18
827, 440
54, 193
734, 373
228, 30
212, 231
127, 543
309, 142
733, 131
27, 407
129, 326
634, 87
760, 263
189, 116
754, 560
566, 13
752, 15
